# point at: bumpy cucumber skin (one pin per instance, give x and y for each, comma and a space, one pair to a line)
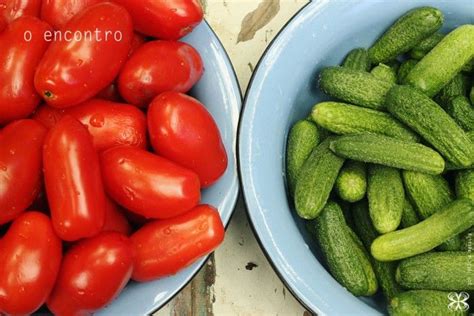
343, 118
385, 271
406, 33
454, 88
384, 72
386, 197
452, 220
355, 87
424, 46
303, 137
422, 303
465, 184
351, 183
444, 271
316, 180
429, 194
462, 112
467, 240
357, 59
388, 151
349, 265
430, 121
409, 216
405, 69
444, 61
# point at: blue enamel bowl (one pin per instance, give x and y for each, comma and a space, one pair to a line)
283, 90
218, 89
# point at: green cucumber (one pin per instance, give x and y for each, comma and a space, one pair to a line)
303, 137
388, 151
467, 240
346, 261
471, 94
355, 87
444, 61
351, 183
444, 271
316, 180
357, 59
405, 69
406, 33
452, 220
385, 271
409, 216
469, 67
423, 303
430, 121
462, 112
384, 72
454, 88
342, 118
465, 184
429, 194
386, 197
424, 46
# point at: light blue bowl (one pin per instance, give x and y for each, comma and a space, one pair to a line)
282, 91
218, 89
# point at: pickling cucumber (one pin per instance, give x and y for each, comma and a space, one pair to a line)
346, 261
353, 86
357, 59
384, 271
413, 27
454, 88
384, 72
424, 46
409, 216
465, 184
429, 194
351, 183
444, 271
444, 61
453, 219
316, 180
386, 197
388, 151
462, 112
430, 121
423, 303
304, 136
405, 69
471, 94
342, 118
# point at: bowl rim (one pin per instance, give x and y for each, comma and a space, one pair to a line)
239, 162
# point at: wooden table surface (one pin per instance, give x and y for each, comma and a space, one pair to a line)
237, 279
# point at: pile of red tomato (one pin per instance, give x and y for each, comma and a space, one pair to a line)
102, 155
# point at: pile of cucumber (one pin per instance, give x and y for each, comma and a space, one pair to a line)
384, 174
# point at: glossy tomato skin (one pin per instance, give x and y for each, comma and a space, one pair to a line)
73, 181
47, 115
156, 67
21, 144
164, 19
115, 220
110, 124
162, 248
93, 273
73, 71
30, 257
147, 184
18, 61
58, 12
13, 9
182, 130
